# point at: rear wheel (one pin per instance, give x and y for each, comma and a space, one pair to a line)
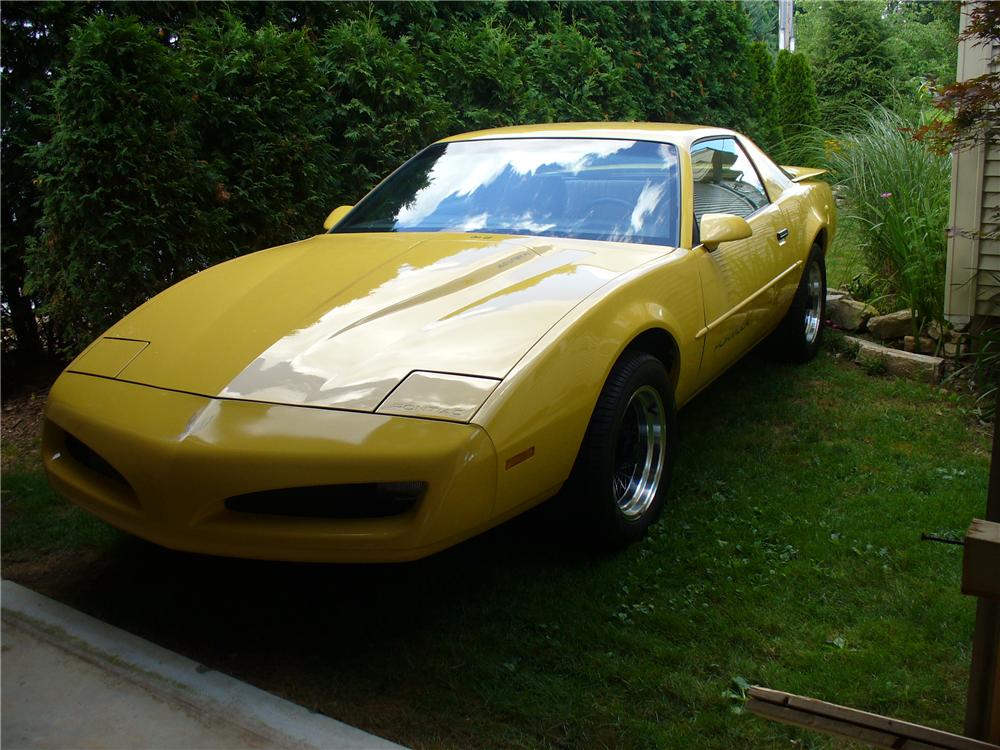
623, 468
798, 337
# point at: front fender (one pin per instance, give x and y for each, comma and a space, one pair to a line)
538, 415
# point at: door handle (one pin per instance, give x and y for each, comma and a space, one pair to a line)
782, 235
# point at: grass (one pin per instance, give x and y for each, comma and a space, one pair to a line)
36, 521
789, 555
844, 265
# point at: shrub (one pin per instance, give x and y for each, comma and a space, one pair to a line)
127, 205
478, 70
262, 123
569, 76
798, 109
764, 125
899, 193
381, 108
848, 43
681, 62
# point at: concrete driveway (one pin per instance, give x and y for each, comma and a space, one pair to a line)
70, 681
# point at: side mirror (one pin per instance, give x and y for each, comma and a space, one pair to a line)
335, 216
718, 228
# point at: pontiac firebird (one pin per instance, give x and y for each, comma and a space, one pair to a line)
512, 314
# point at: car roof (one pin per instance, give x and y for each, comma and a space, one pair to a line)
677, 133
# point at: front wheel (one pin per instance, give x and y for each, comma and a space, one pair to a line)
798, 336
623, 468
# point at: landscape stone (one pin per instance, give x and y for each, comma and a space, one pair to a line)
927, 345
848, 314
892, 326
955, 348
903, 364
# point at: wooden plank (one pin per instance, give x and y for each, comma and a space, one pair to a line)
821, 724
993, 732
991, 184
981, 560
982, 704
851, 723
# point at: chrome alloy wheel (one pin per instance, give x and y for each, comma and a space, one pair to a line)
814, 301
640, 453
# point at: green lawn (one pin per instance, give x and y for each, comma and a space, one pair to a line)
789, 556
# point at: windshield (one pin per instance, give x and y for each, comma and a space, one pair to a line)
594, 189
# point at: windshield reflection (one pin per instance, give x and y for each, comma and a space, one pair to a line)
600, 189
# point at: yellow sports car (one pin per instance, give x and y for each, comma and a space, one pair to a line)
511, 313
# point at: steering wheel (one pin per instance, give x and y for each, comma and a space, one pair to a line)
601, 208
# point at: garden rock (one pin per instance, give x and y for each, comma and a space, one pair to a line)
927, 345
903, 364
892, 326
849, 314
955, 348
934, 330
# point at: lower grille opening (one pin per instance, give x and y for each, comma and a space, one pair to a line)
85, 456
374, 500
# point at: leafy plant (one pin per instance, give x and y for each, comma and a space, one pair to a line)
970, 107
982, 368
898, 192
872, 365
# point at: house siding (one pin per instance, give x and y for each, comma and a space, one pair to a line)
972, 285
988, 267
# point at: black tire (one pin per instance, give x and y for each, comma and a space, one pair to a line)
800, 333
634, 417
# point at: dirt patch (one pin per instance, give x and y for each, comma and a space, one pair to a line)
21, 427
53, 574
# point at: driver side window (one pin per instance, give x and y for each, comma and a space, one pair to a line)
725, 181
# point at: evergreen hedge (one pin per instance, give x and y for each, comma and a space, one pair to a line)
853, 59
128, 206
798, 107
764, 125
177, 141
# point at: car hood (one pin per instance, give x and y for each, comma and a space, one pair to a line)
339, 320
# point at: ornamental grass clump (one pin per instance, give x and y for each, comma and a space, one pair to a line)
898, 193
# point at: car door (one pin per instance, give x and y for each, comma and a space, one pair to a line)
738, 278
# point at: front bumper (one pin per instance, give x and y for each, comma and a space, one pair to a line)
175, 458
